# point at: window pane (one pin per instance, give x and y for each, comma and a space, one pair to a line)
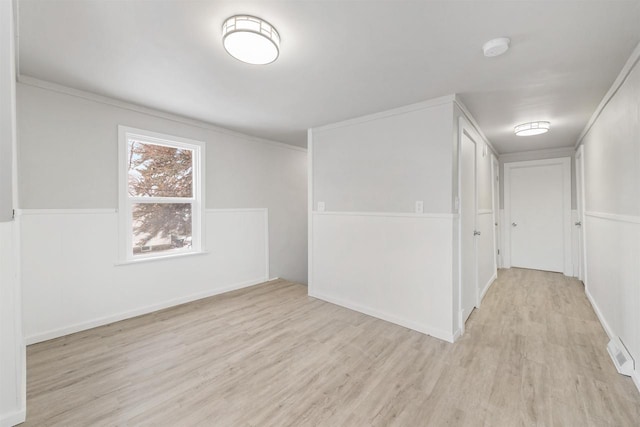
159, 171
159, 227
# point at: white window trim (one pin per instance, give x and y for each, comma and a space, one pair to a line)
125, 244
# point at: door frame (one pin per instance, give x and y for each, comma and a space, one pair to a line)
565, 162
580, 208
495, 206
465, 128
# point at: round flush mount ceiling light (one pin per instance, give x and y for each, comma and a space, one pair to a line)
532, 128
250, 39
496, 47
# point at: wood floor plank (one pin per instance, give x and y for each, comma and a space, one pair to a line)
534, 354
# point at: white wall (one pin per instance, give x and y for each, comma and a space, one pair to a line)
68, 150
387, 162
370, 251
394, 267
12, 348
67, 164
612, 210
7, 111
71, 281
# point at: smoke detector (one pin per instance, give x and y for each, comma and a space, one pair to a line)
496, 47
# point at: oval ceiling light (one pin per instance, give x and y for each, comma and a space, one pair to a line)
250, 39
496, 47
532, 128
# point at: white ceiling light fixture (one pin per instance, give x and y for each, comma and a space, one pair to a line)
532, 128
496, 47
251, 39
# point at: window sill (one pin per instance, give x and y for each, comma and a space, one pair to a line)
159, 258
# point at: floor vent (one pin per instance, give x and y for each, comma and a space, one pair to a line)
620, 356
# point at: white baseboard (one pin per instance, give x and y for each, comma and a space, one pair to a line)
488, 285
635, 376
461, 321
56, 333
13, 418
425, 329
601, 318
464, 316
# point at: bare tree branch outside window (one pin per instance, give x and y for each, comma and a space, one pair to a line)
158, 171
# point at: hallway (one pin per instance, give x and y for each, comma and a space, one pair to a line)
533, 354
540, 331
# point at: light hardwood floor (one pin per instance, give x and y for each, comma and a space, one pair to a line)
533, 355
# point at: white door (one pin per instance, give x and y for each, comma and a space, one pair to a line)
468, 202
495, 176
579, 224
539, 213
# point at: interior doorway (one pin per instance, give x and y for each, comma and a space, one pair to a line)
579, 225
468, 211
538, 214
495, 176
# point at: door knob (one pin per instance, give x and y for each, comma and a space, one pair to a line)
476, 233
514, 224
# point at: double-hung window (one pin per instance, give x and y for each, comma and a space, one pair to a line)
161, 195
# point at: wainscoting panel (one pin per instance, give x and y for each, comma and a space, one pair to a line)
12, 348
392, 266
613, 275
72, 282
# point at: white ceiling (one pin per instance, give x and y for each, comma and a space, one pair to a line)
339, 60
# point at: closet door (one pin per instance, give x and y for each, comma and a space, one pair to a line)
468, 211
